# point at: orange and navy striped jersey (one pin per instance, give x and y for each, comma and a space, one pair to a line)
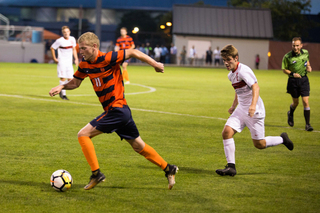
124, 43
106, 78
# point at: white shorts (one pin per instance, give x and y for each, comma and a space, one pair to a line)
65, 70
240, 119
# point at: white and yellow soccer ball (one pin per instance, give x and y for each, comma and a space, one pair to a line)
61, 180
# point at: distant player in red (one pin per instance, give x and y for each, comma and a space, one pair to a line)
104, 71
125, 42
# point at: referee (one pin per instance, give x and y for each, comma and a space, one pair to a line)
296, 65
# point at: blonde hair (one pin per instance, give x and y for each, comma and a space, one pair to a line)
90, 38
229, 50
64, 27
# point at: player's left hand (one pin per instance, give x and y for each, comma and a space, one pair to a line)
252, 110
159, 67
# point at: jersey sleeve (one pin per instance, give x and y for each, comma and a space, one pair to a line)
56, 44
248, 76
284, 65
80, 73
74, 43
114, 58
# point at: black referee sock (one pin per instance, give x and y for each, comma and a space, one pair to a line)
307, 115
292, 110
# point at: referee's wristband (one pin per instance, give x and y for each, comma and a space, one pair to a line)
291, 74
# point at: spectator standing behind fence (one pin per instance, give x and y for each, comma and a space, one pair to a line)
164, 52
148, 49
173, 54
216, 54
257, 61
183, 55
192, 54
157, 53
209, 56
110, 47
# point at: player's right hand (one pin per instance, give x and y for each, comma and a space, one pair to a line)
231, 110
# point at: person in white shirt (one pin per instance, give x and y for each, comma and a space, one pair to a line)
66, 47
173, 54
247, 110
157, 53
216, 54
192, 54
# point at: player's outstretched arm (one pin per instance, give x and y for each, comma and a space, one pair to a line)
72, 84
159, 67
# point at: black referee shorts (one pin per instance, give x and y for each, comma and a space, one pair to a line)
297, 87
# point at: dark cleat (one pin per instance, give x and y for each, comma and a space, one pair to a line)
227, 171
171, 171
65, 98
290, 119
309, 128
286, 141
94, 180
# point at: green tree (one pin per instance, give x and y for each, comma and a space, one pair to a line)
287, 16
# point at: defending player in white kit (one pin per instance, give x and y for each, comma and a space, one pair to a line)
247, 110
66, 50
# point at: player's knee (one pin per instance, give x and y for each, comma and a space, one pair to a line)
82, 133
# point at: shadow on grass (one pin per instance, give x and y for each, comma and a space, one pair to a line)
47, 187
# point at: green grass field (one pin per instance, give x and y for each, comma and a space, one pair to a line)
182, 120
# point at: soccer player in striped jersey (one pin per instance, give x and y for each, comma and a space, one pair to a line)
247, 110
125, 42
66, 46
104, 71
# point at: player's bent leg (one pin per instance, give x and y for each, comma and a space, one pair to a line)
84, 138
151, 155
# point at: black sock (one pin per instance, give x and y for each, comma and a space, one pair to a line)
232, 165
307, 116
96, 172
292, 110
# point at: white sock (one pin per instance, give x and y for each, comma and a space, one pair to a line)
229, 150
273, 140
63, 92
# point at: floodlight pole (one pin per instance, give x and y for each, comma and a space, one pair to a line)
98, 18
80, 21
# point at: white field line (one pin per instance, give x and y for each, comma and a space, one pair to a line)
143, 110
151, 89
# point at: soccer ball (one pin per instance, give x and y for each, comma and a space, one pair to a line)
61, 180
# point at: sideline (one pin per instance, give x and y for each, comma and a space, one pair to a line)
143, 110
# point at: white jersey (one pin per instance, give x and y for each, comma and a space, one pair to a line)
242, 80
65, 49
